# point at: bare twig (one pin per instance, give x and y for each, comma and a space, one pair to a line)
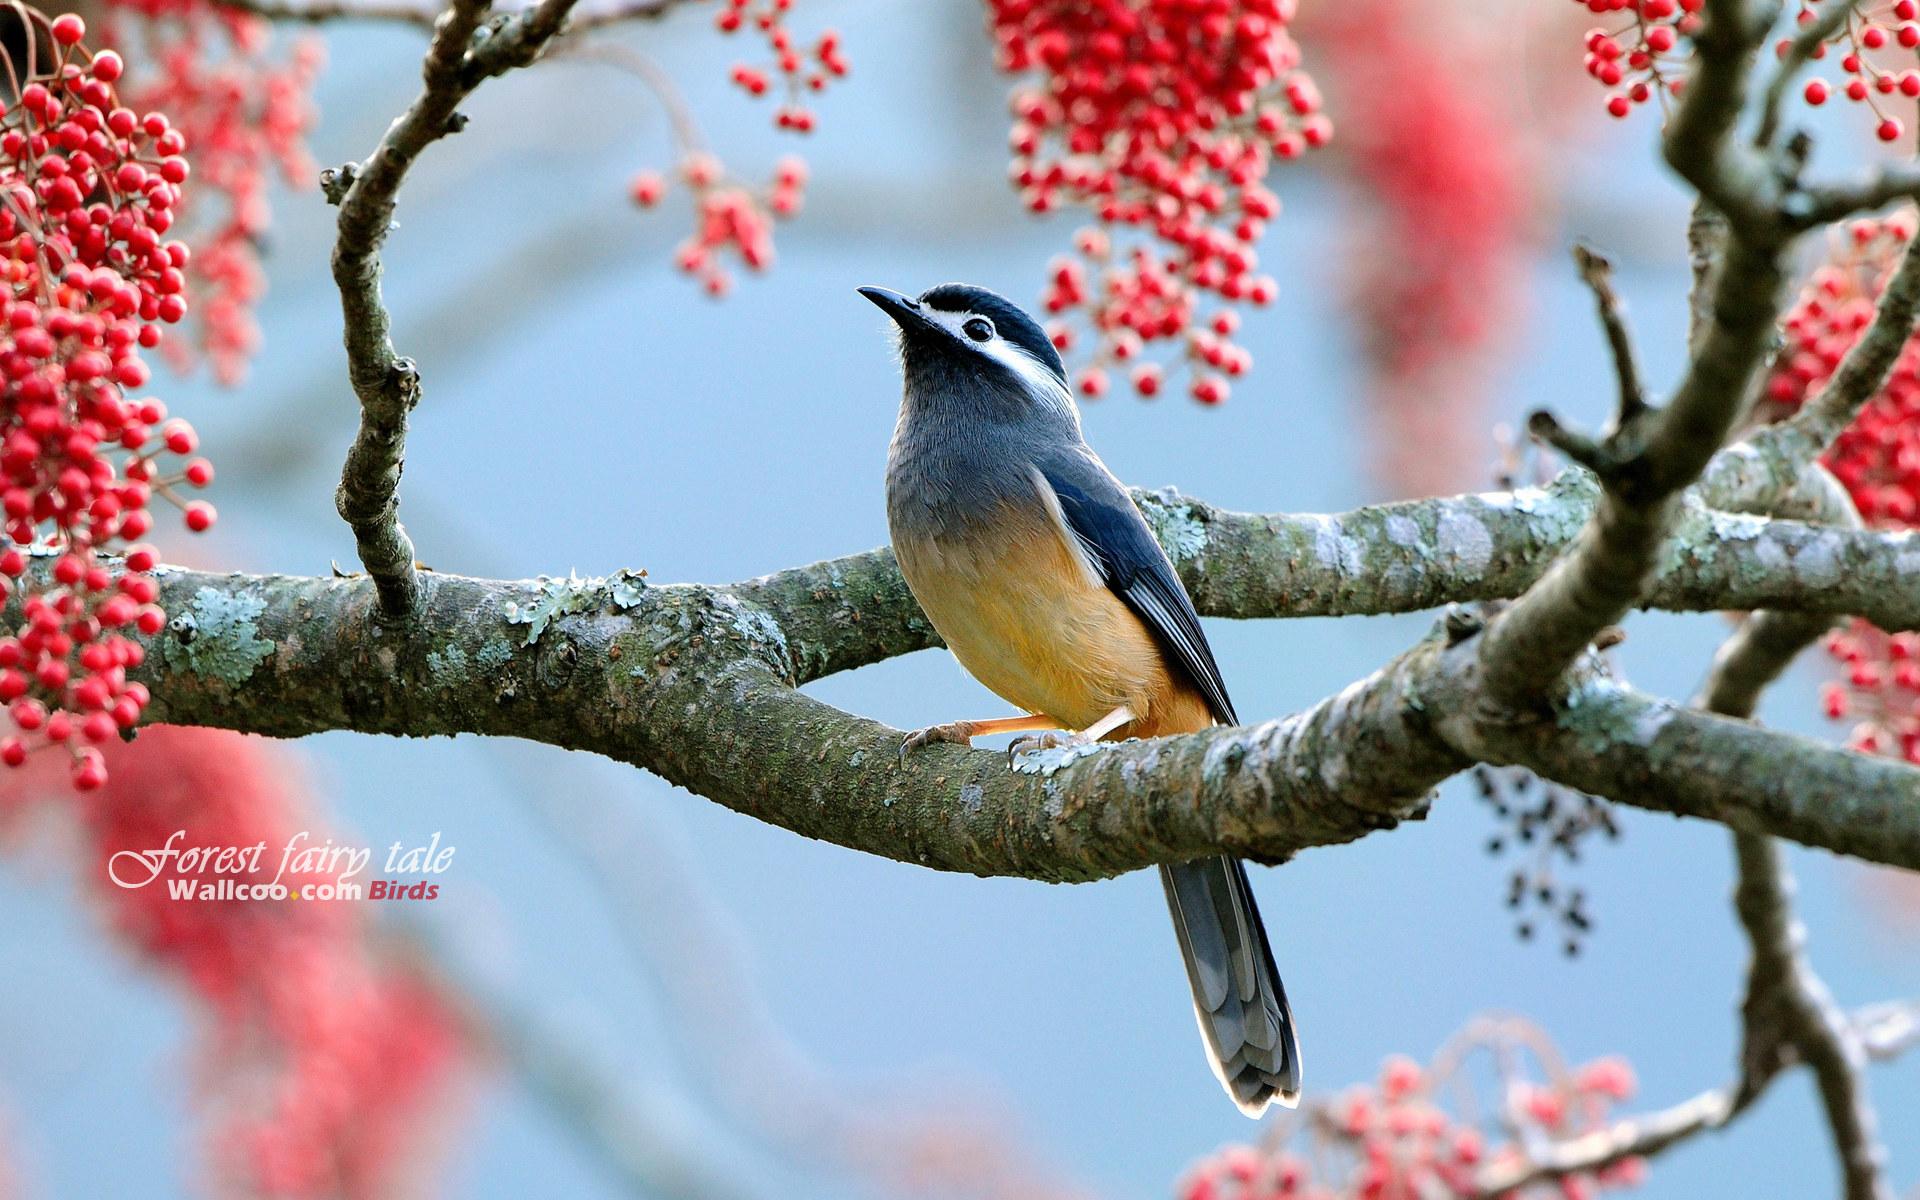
1640, 1136
1814, 205
1789, 1016
1597, 273
1862, 373
318, 12
1648, 1134
1810, 37
388, 385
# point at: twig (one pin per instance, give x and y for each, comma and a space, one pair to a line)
1812, 205
1597, 273
1645, 462
1789, 1016
317, 12
1863, 372
1641, 1136
1648, 1134
388, 385
1800, 50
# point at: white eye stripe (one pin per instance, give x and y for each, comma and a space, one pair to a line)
1041, 382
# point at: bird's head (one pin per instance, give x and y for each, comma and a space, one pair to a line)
964, 348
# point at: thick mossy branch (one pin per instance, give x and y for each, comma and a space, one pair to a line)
698, 684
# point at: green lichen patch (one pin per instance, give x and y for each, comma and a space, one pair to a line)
1175, 525
217, 637
451, 661
556, 597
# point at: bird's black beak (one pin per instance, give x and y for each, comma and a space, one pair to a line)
905, 310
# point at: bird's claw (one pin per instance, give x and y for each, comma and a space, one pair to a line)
957, 733
1034, 743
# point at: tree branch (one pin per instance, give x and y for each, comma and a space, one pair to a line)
460, 57
1647, 1134
1861, 374
1806, 41
423, 16
1645, 463
697, 684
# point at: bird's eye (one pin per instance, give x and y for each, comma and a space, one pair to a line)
979, 329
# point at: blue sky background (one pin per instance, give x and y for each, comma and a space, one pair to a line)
587, 409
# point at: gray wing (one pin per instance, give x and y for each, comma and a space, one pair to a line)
1102, 515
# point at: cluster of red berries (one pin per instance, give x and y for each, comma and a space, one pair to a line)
801, 69
92, 188
1869, 31
1876, 458
247, 116
1395, 1140
323, 1065
1162, 117
1643, 58
729, 216
1445, 185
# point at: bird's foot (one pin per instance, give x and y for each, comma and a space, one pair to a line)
1034, 743
958, 733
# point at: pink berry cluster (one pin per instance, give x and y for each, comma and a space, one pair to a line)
1396, 1139
92, 188
247, 115
730, 218
1641, 57
324, 1065
800, 69
1877, 459
1871, 31
1160, 117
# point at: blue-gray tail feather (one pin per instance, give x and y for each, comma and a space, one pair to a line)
1237, 997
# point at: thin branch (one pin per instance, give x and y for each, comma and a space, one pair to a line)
1640, 1136
388, 385
621, 13
1810, 206
1648, 1134
1811, 36
317, 12
1646, 462
1788, 1014
1862, 373
1596, 271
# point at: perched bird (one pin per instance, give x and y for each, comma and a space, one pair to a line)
1033, 564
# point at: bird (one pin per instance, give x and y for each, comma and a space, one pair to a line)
1041, 575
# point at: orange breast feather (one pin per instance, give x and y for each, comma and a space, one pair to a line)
1026, 614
